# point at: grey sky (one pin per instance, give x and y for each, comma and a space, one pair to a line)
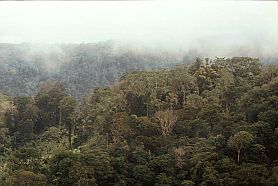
178, 25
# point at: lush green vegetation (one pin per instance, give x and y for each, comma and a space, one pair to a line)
214, 122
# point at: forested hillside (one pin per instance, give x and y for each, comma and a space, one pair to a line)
214, 122
81, 68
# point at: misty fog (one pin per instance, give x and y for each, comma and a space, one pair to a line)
216, 28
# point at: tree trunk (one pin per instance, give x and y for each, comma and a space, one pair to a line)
147, 110
227, 107
70, 136
70, 140
60, 118
183, 99
238, 155
107, 142
211, 125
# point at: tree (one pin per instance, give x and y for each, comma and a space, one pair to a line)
47, 100
194, 104
192, 128
187, 183
182, 83
195, 66
120, 129
20, 120
240, 141
251, 174
274, 175
210, 177
167, 120
24, 178
4, 139
207, 75
246, 67
163, 179
67, 108
143, 126
143, 174
61, 167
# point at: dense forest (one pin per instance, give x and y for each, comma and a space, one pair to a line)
211, 122
80, 67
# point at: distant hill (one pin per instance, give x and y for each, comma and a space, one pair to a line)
80, 67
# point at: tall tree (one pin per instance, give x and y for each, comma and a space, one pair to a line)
240, 141
67, 110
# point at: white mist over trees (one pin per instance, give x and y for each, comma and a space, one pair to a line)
81, 68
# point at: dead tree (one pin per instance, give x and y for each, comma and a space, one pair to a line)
167, 120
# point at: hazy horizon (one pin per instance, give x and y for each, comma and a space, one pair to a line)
216, 27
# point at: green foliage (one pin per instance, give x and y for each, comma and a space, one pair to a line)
210, 123
240, 141
251, 174
61, 167
67, 107
163, 180
23, 178
143, 174
47, 100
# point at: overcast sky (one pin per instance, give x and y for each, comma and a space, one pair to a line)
216, 25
